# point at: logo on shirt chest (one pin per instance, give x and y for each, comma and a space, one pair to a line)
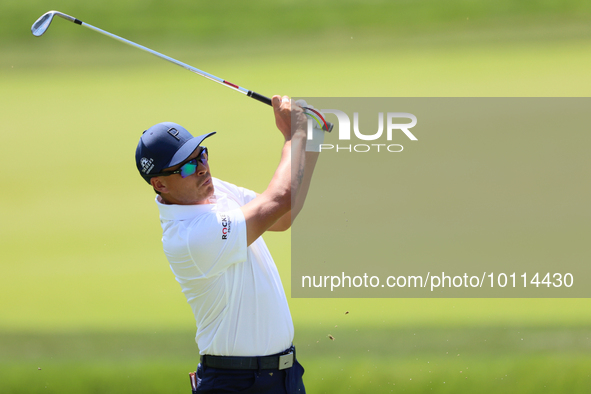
226, 225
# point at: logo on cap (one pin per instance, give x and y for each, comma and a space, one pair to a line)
174, 132
147, 165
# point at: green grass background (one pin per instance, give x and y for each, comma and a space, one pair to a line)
85, 290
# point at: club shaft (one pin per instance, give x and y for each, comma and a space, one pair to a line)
43, 23
178, 63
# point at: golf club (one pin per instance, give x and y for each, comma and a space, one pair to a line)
42, 24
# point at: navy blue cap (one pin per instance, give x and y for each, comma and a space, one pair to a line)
164, 145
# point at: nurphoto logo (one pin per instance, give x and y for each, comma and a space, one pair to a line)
394, 124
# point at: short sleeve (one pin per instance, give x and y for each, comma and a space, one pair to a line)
239, 194
247, 195
217, 240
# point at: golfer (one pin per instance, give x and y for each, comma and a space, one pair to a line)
212, 239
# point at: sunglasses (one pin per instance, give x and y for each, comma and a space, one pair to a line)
190, 167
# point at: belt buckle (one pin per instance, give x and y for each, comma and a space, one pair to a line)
286, 361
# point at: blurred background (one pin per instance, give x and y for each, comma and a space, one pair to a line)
87, 301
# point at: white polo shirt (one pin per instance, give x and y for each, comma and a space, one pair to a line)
234, 291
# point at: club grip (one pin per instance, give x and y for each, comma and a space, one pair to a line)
260, 97
267, 100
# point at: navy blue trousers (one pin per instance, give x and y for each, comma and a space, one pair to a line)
271, 381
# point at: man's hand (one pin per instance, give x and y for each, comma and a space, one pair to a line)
285, 112
313, 144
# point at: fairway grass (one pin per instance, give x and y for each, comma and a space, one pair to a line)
487, 360
80, 240
86, 293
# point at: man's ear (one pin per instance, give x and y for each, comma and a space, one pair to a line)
158, 185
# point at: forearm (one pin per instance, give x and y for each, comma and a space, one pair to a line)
298, 202
281, 187
289, 174
263, 213
297, 205
289, 177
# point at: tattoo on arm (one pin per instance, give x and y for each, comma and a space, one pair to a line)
300, 175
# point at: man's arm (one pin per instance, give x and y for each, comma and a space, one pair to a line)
270, 206
286, 220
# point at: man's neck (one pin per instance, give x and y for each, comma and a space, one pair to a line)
162, 200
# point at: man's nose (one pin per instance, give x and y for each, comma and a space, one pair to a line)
202, 167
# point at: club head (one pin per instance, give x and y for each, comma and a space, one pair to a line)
42, 24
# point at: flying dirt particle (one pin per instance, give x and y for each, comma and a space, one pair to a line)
336, 326
331, 337
346, 313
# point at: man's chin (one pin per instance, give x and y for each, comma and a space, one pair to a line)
210, 190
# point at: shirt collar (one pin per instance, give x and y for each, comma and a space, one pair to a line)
182, 212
